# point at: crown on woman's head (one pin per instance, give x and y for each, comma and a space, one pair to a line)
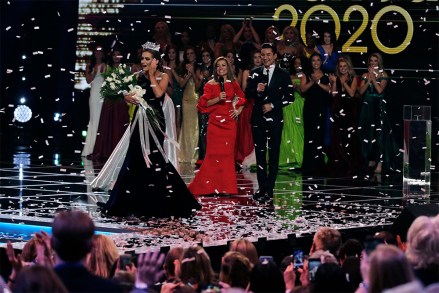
151, 46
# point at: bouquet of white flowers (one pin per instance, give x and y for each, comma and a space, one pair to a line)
116, 81
120, 81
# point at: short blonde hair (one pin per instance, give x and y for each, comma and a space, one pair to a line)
329, 238
423, 242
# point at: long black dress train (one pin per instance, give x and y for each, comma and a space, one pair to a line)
155, 191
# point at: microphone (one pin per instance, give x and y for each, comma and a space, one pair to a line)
221, 82
263, 79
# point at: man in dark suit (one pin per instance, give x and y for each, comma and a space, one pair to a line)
272, 89
72, 233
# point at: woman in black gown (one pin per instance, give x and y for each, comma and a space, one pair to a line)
315, 87
148, 184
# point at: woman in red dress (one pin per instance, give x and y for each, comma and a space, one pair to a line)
224, 100
244, 139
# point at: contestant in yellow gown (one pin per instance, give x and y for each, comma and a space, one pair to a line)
188, 138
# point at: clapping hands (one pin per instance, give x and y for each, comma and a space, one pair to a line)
190, 68
44, 249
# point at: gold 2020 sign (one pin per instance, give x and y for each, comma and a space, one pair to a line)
347, 46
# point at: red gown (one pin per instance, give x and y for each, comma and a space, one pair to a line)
113, 122
244, 139
217, 173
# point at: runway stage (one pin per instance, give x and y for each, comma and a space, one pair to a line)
35, 186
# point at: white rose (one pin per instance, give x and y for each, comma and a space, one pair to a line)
109, 79
112, 86
137, 90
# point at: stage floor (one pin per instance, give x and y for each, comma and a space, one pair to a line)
34, 186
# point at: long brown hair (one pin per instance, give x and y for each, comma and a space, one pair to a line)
195, 266
102, 257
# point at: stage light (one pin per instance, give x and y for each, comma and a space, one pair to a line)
56, 117
22, 113
23, 78
22, 100
56, 159
21, 160
23, 57
84, 133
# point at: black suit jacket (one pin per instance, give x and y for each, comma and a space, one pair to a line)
279, 92
77, 278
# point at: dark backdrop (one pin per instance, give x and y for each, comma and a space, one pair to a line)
47, 32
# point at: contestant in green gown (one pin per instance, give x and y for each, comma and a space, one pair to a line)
378, 146
291, 148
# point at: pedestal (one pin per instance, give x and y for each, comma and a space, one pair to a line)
417, 151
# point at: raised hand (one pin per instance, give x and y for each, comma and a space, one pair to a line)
153, 66
304, 274
401, 245
131, 268
14, 260
43, 249
149, 267
244, 22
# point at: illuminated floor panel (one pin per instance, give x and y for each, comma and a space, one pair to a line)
30, 196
